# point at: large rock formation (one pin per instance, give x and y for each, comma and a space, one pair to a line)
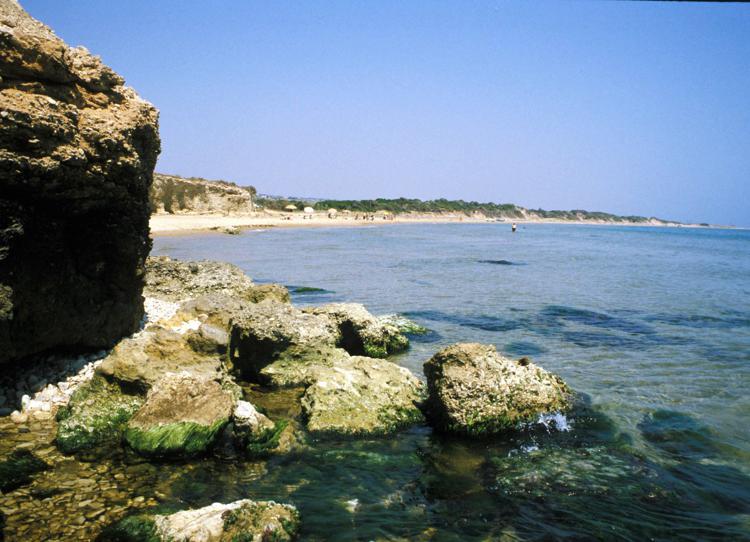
77, 154
474, 390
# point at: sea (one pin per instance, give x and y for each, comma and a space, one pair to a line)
650, 326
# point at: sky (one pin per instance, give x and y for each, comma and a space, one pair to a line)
627, 107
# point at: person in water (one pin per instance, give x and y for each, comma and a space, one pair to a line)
513, 227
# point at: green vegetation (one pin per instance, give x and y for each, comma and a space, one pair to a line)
173, 439
261, 445
17, 470
136, 528
97, 412
410, 205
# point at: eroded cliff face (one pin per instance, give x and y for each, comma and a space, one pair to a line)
77, 154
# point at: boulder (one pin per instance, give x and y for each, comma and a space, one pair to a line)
140, 361
301, 366
182, 416
257, 435
473, 390
243, 520
77, 153
362, 396
176, 281
361, 333
96, 413
263, 331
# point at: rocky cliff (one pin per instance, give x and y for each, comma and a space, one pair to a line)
180, 195
77, 154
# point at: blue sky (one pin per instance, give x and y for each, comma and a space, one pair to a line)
627, 107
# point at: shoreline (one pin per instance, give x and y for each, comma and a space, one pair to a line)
189, 224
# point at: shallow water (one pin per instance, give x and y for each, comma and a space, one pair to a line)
651, 325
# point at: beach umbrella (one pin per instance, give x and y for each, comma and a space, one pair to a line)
309, 210
332, 211
291, 207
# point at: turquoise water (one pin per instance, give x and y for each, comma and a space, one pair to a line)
650, 325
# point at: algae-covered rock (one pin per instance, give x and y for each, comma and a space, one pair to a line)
257, 435
361, 396
361, 333
182, 416
403, 324
300, 366
96, 413
261, 332
239, 521
133, 528
17, 470
142, 360
474, 390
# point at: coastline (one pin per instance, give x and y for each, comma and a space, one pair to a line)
188, 224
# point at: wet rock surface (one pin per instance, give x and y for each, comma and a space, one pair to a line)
77, 153
181, 416
243, 520
362, 396
475, 391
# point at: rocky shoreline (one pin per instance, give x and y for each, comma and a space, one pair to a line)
181, 388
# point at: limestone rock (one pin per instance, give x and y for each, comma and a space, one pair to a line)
97, 413
175, 280
274, 292
474, 390
140, 361
261, 332
361, 332
301, 366
182, 416
243, 520
362, 396
77, 153
216, 309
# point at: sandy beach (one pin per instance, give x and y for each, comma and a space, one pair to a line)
182, 224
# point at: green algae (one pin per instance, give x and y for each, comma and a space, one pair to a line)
97, 413
263, 444
18, 469
273, 522
385, 346
136, 528
173, 439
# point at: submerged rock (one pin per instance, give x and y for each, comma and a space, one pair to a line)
239, 521
362, 396
17, 470
261, 332
97, 413
474, 390
142, 360
182, 416
77, 154
361, 333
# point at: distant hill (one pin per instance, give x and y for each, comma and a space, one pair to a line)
194, 195
469, 208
